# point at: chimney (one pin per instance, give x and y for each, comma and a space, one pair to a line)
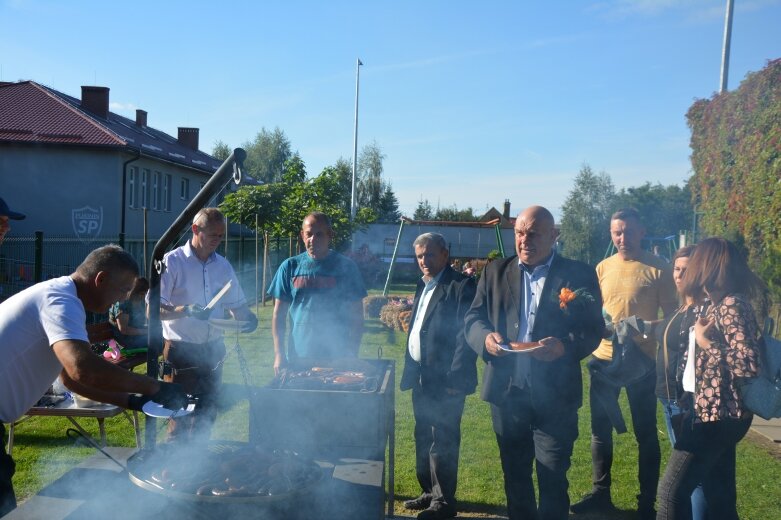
506, 212
140, 117
95, 100
188, 137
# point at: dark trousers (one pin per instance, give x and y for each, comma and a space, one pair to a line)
7, 469
526, 433
437, 441
198, 368
704, 453
642, 405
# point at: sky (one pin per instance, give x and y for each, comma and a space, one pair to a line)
471, 103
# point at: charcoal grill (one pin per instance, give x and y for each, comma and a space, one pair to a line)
331, 420
145, 465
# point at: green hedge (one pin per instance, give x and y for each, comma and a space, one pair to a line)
736, 156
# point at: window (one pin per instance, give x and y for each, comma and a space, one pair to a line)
167, 192
184, 193
156, 190
131, 187
145, 188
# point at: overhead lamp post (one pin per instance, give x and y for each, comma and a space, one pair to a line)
355, 139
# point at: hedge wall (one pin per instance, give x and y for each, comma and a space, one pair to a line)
736, 157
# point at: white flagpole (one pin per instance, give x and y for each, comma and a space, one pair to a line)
355, 139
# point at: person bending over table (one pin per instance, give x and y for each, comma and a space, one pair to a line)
43, 333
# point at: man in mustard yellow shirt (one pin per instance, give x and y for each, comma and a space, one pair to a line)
633, 282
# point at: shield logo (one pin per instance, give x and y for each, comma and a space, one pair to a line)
87, 223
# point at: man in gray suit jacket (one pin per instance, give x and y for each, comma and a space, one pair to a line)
440, 369
551, 306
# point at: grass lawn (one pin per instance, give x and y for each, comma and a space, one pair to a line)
43, 453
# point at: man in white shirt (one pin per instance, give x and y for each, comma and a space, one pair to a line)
440, 369
193, 349
43, 334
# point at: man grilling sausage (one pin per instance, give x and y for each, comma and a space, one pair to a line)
43, 333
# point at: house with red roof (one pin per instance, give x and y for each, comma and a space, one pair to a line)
79, 170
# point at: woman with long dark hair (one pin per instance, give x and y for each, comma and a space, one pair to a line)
723, 354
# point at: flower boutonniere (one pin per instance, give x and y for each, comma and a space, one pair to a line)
577, 299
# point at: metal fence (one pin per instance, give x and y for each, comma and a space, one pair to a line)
29, 259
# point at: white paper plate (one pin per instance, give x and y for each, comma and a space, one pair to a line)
227, 324
507, 348
154, 409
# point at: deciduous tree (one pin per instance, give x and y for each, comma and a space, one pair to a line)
221, 151
585, 222
267, 155
666, 210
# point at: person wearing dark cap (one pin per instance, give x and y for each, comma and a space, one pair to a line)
7, 214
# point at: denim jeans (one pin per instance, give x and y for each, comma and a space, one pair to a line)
704, 453
642, 404
672, 413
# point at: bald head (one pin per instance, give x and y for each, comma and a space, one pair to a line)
535, 235
537, 213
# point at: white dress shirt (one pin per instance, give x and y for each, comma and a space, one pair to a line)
420, 313
187, 280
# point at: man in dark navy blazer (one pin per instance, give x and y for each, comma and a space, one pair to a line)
440, 369
535, 395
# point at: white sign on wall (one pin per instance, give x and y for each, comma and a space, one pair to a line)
87, 222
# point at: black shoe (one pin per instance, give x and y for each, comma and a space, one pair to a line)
593, 503
646, 513
438, 511
422, 502
645, 507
